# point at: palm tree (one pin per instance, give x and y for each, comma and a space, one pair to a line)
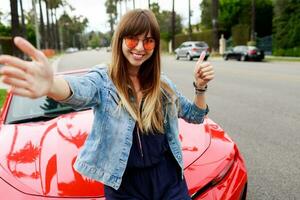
44, 43
49, 35
15, 25
24, 34
173, 25
215, 9
190, 26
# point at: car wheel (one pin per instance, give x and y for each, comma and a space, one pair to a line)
177, 57
189, 57
243, 58
225, 57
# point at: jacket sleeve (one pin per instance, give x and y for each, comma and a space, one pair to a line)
187, 109
85, 89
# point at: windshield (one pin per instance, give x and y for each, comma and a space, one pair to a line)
26, 110
201, 44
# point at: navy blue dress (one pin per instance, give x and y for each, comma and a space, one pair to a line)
152, 173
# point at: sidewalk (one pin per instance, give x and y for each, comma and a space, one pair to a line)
54, 64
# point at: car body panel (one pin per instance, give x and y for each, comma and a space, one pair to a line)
192, 49
244, 53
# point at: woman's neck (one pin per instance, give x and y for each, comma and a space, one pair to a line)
133, 71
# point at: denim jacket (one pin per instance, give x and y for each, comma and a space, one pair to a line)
105, 152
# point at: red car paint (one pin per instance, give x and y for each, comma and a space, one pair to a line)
36, 159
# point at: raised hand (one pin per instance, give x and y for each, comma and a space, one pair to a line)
203, 72
31, 79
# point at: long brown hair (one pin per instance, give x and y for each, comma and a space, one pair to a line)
133, 23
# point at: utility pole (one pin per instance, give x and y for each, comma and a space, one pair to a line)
253, 38
173, 25
215, 10
190, 26
37, 34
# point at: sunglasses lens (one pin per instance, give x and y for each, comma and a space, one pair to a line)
149, 44
131, 42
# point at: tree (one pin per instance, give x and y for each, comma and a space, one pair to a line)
111, 10
215, 15
190, 26
233, 12
72, 30
15, 23
23, 20
164, 18
173, 25
286, 24
44, 44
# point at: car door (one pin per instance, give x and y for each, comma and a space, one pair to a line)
181, 50
236, 54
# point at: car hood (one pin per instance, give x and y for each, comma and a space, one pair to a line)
38, 158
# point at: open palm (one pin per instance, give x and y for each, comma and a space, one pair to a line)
27, 78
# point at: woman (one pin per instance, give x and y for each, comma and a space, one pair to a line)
133, 148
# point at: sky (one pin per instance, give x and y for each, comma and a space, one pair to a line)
95, 11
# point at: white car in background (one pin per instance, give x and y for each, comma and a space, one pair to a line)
192, 49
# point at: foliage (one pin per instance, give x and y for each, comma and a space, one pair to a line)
2, 96
240, 34
295, 52
286, 24
94, 41
233, 12
164, 19
72, 29
6, 45
111, 10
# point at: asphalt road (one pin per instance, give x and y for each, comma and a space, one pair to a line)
257, 103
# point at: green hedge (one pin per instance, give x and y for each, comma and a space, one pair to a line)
2, 96
295, 52
240, 34
6, 45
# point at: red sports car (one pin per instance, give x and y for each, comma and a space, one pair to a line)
40, 139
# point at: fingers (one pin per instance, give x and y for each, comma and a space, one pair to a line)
29, 49
21, 92
14, 61
201, 58
200, 61
14, 82
13, 72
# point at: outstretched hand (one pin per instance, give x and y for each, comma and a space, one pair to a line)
31, 79
203, 71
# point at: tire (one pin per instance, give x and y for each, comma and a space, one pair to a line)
243, 58
225, 57
189, 57
177, 57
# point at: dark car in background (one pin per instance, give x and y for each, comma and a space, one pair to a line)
244, 53
192, 49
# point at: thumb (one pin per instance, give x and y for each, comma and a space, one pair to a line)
200, 60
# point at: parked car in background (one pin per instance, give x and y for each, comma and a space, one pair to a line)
192, 49
40, 140
72, 49
244, 53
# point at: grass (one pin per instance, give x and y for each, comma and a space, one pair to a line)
279, 58
2, 96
